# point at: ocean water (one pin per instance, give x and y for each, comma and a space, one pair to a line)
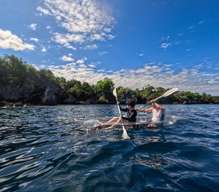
54, 149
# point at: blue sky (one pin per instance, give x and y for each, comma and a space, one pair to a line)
169, 43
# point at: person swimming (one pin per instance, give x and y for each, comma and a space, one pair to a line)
158, 114
130, 117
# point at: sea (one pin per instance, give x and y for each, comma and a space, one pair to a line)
57, 149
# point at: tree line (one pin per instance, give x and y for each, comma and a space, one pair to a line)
21, 83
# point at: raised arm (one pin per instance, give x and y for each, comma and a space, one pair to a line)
159, 106
148, 110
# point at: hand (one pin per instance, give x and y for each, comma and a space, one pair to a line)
140, 110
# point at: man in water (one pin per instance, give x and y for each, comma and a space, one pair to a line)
130, 117
158, 114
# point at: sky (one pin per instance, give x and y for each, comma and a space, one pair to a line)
167, 43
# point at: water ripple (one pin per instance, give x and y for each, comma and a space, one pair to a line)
49, 148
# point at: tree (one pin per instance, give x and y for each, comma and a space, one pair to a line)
20, 82
125, 93
104, 90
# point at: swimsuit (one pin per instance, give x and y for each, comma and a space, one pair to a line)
157, 117
131, 115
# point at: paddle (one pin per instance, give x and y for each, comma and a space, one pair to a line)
166, 94
124, 134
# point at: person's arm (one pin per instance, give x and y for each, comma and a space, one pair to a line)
145, 110
159, 106
125, 118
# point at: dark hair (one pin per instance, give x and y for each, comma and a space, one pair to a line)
131, 103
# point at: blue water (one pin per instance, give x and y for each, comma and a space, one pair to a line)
51, 149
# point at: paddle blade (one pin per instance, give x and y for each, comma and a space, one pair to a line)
166, 94
170, 92
125, 134
115, 93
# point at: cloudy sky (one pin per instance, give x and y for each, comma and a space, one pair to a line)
169, 43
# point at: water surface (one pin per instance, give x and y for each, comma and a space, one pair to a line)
51, 149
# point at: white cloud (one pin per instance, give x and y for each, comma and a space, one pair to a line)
81, 61
141, 54
35, 66
34, 39
165, 45
43, 11
66, 39
68, 46
91, 47
92, 66
166, 42
10, 41
33, 26
85, 21
43, 50
68, 58
154, 74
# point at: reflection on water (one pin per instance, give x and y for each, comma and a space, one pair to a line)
50, 149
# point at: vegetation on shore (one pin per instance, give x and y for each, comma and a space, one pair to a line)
21, 83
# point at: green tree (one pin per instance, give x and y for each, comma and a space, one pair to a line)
104, 90
20, 82
125, 93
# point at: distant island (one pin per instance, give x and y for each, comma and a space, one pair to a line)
21, 83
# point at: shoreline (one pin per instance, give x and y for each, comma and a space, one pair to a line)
15, 104
30, 86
